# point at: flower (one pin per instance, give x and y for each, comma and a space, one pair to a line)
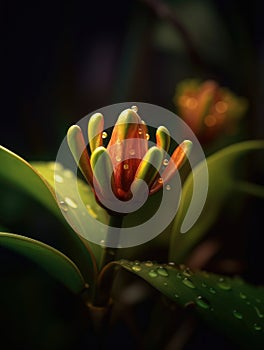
208, 108
127, 157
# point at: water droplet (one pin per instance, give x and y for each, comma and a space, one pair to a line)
179, 276
259, 313
91, 211
63, 206
160, 180
162, 272
140, 131
171, 263
204, 285
132, 152
165, 162
118, 159
212, 290
189, 305
125, 166
223, 284
257, 327
135, 108
55, 166
102, 242
71, 202
165, 283
202, 302
237, 315
148, 263
187, 272
136, 268
176, 296
188, 283
68, 174
147, 136
152, 273
58, 178
168, 187
242, 295
104, 135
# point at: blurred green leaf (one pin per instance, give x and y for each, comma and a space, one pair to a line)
20, 173
228, 304
222, 184
51, 260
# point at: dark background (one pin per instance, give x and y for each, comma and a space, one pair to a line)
63, 60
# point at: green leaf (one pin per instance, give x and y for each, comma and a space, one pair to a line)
51, 260
228, 304
66, 188
20, 173
222, 184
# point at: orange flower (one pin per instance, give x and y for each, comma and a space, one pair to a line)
208, 109
127, 157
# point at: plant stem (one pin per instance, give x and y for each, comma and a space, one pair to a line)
102, 292
109, 253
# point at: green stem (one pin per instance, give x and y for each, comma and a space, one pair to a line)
109, 253
102, 292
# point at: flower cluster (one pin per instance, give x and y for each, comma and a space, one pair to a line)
127, 157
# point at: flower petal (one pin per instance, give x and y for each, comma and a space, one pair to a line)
176, 161
103, 172
95, 129
77, 146
149, 167
163, 138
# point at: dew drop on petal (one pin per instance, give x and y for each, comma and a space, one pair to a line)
165, 162
132, 152
126, 166
148, 263
140, 131
63, 206
71, 202
135, 108
160, 180
171, 263
118, 159
168, 187
104, 135
204, 285
147, 136
176, 295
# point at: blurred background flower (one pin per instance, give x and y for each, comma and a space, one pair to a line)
210, 110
